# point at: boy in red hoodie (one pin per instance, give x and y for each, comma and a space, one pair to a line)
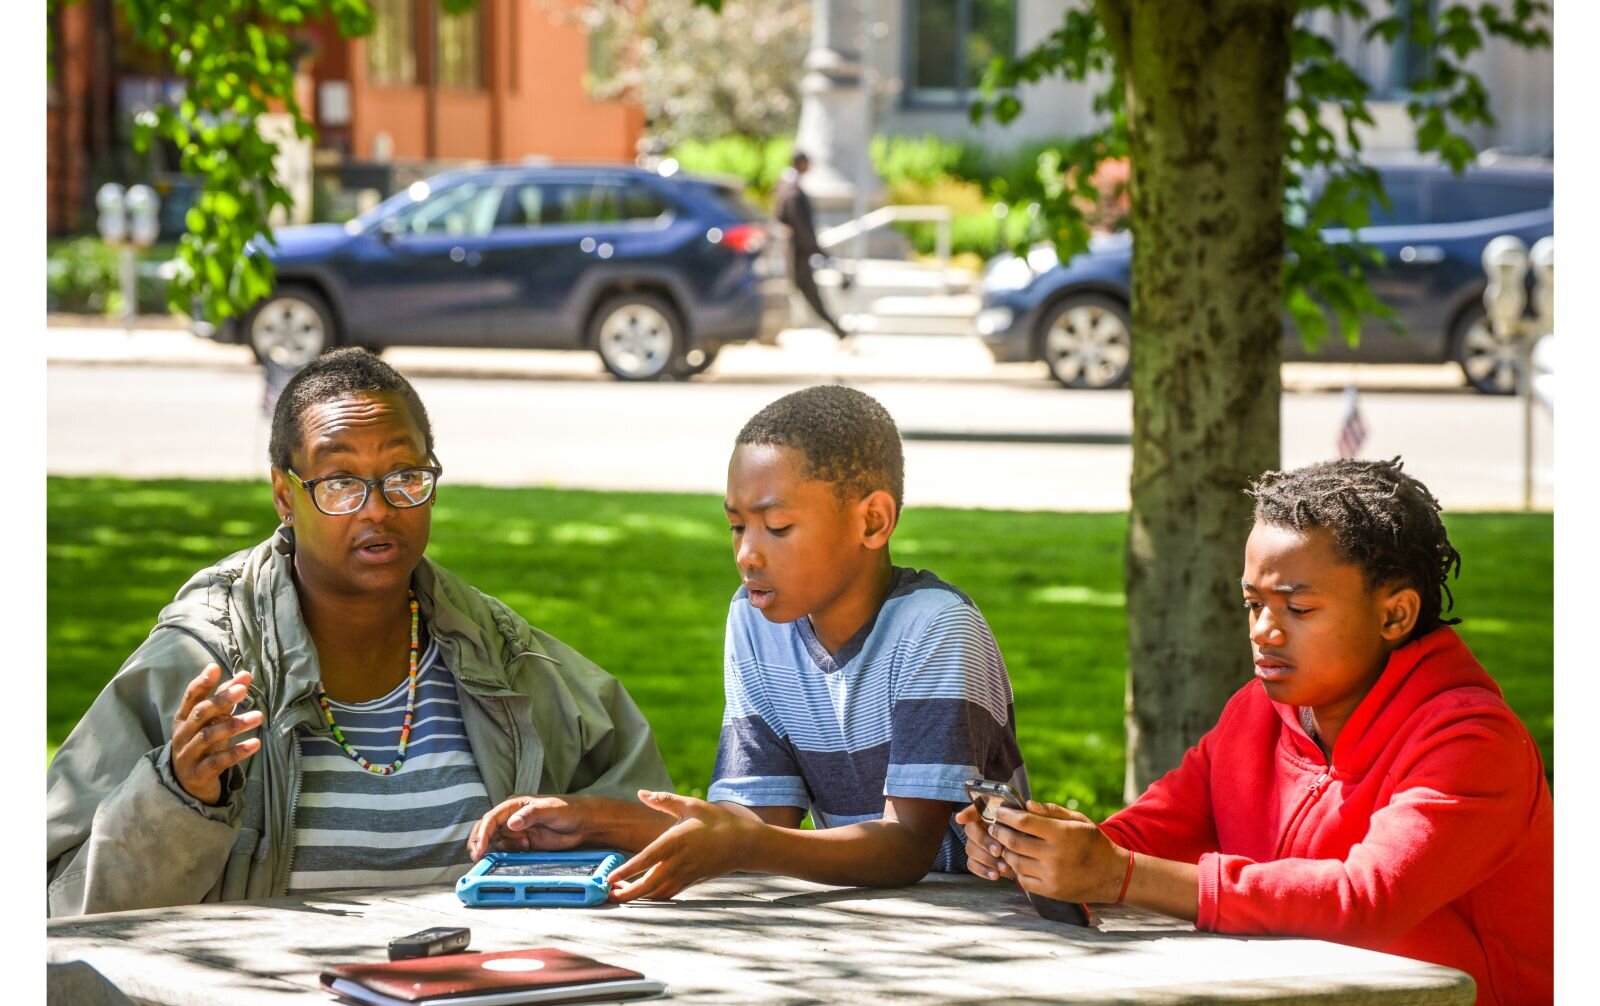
1370, 787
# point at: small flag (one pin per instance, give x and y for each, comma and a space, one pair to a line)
1352, 431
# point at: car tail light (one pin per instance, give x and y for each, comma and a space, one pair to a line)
747, 238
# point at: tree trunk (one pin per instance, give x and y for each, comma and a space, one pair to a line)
1205, 95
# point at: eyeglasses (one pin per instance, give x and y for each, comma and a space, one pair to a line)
338, 495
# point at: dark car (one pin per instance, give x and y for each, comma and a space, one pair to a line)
1075, 316
654, 273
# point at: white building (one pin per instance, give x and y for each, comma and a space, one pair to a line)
930, 53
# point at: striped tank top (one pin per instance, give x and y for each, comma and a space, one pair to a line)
354, 828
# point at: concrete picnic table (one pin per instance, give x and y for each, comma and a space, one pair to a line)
752, 939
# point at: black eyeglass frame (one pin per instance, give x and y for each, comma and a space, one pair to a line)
367, 485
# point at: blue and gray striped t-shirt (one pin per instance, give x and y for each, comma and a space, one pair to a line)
913, 705
354, 828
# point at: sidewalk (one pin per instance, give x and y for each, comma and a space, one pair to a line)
976, 434
800, 354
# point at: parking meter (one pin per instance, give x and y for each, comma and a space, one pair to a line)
1505, 262
113, 217
1543, 260
128, 220
143, 208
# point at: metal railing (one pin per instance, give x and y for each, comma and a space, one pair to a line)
883, 216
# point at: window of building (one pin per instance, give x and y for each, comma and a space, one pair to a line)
951, 43
602, 41
130, 56
1411, 59
392, 46
461, 49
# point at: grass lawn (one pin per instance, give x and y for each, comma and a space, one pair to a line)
639, 582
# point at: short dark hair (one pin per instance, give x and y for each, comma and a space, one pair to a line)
1381, 519
847, 438
338, 374
799, 155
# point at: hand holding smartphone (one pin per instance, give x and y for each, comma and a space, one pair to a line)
988, 796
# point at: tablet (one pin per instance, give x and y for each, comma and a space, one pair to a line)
539, 879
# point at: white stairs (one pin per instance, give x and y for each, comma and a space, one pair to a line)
894, 297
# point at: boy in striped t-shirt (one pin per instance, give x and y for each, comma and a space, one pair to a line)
861, 692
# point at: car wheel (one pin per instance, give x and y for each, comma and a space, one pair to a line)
1086, 340
291, 327
638, 336
697, 361
1488, 361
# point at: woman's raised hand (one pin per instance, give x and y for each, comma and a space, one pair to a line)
203, 731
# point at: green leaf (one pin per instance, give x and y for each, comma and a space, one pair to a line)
1308, 318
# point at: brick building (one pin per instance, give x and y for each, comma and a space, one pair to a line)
425, 89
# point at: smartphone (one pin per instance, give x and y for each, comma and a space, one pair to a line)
430, 943
988, 796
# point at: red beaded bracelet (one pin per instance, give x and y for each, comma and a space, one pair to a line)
1125, 878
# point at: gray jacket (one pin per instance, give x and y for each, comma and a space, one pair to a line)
124, 834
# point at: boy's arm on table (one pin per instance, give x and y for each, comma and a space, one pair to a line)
709, 840
1063, 854
551, 823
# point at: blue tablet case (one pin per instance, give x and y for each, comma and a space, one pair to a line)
539, 879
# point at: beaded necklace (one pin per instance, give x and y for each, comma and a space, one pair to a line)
405, 728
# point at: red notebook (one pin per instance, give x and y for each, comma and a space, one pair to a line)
503, 978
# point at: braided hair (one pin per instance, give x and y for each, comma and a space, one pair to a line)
848, 439
1381, 519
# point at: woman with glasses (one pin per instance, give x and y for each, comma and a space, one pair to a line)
329, 708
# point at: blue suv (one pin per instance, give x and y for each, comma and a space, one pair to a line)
654, 273
1075, 316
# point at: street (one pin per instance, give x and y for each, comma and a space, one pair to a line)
977, 435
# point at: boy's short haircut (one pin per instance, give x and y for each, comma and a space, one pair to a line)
847, 438
1382, 519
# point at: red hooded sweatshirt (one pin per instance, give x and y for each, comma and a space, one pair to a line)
1430, 835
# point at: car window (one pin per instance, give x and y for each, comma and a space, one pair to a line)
1457, 200
1405, 192
553, 204
463, 209
639, 203
1405, 203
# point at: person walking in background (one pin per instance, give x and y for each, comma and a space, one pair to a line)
793, 209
